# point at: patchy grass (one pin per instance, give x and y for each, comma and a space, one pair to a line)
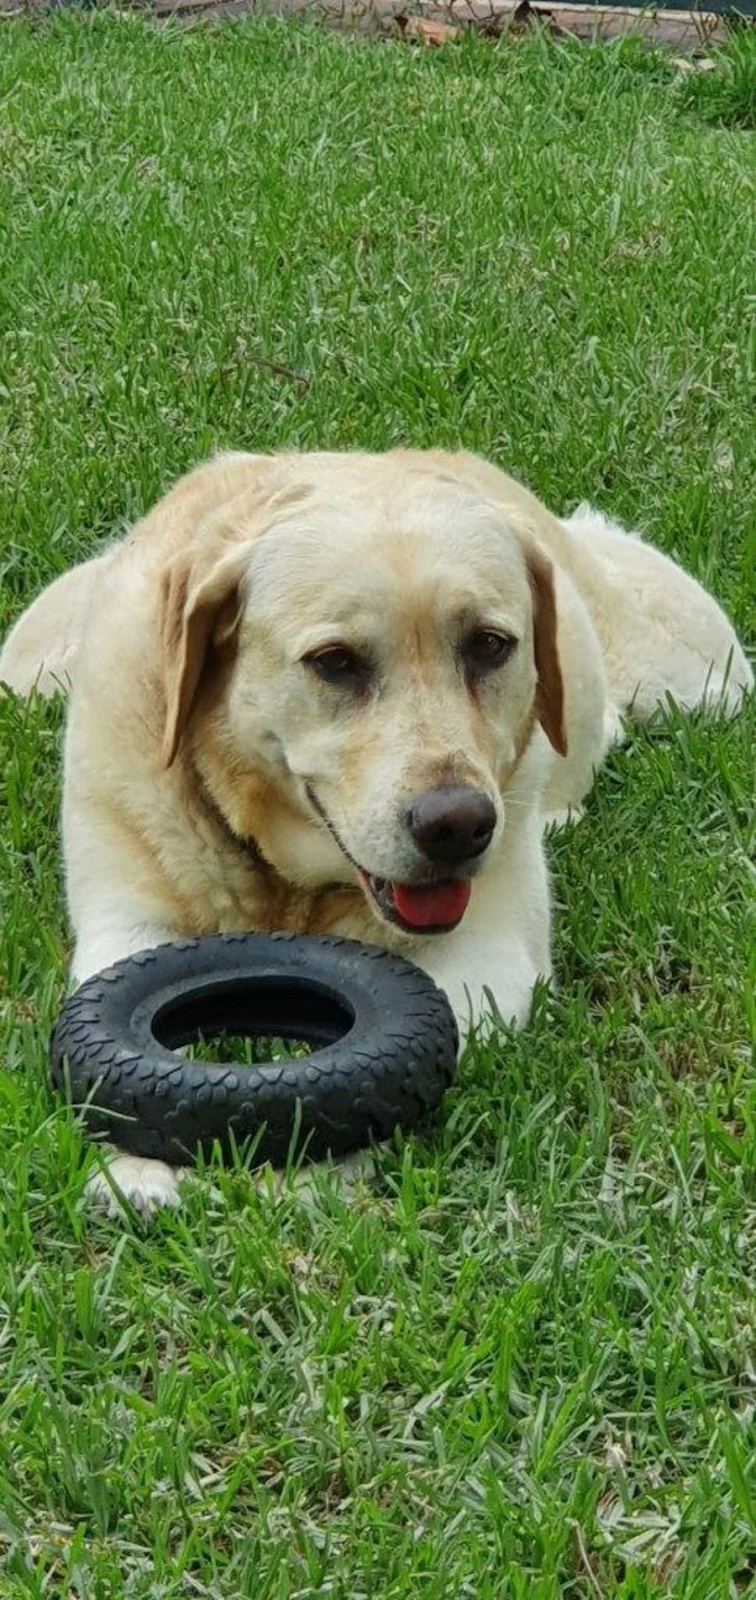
726, 94
522, 1362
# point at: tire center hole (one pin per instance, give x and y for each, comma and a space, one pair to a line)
250, 1021
233, 1049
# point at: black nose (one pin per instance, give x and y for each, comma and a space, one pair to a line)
453, 824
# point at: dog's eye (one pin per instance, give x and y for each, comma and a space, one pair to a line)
485, 649
339, 665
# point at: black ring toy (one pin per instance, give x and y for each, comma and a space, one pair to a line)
383, 1037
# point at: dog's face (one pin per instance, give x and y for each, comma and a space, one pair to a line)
382, 650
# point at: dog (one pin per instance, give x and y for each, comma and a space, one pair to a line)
345, 694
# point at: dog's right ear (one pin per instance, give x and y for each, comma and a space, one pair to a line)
197, 611
202, 591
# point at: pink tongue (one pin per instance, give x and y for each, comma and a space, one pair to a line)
435, 905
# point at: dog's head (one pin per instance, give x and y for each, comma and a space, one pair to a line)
356, 661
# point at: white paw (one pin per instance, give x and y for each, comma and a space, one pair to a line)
143, 1183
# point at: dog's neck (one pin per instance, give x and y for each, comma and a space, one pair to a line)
264, 900
247, 846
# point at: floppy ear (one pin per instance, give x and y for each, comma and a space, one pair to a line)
201, 598
197, 612
550, 687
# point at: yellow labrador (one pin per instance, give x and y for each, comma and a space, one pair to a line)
343, 693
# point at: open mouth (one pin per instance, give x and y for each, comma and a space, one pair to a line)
419, 907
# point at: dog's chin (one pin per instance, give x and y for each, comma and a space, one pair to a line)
418, 909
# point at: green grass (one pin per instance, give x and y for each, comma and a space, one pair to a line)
726, 94
521, 1364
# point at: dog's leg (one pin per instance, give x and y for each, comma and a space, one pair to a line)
492, 962
143, 1183
106, 936
40, 650
663, 634
481, 979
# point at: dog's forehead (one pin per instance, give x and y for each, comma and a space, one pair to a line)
381, 543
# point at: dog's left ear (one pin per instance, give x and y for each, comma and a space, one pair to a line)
197, 611
550, 685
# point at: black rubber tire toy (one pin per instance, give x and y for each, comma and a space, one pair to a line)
384, 1037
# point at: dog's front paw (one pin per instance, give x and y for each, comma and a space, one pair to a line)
144, 1184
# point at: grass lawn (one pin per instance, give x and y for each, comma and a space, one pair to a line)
522, 1364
